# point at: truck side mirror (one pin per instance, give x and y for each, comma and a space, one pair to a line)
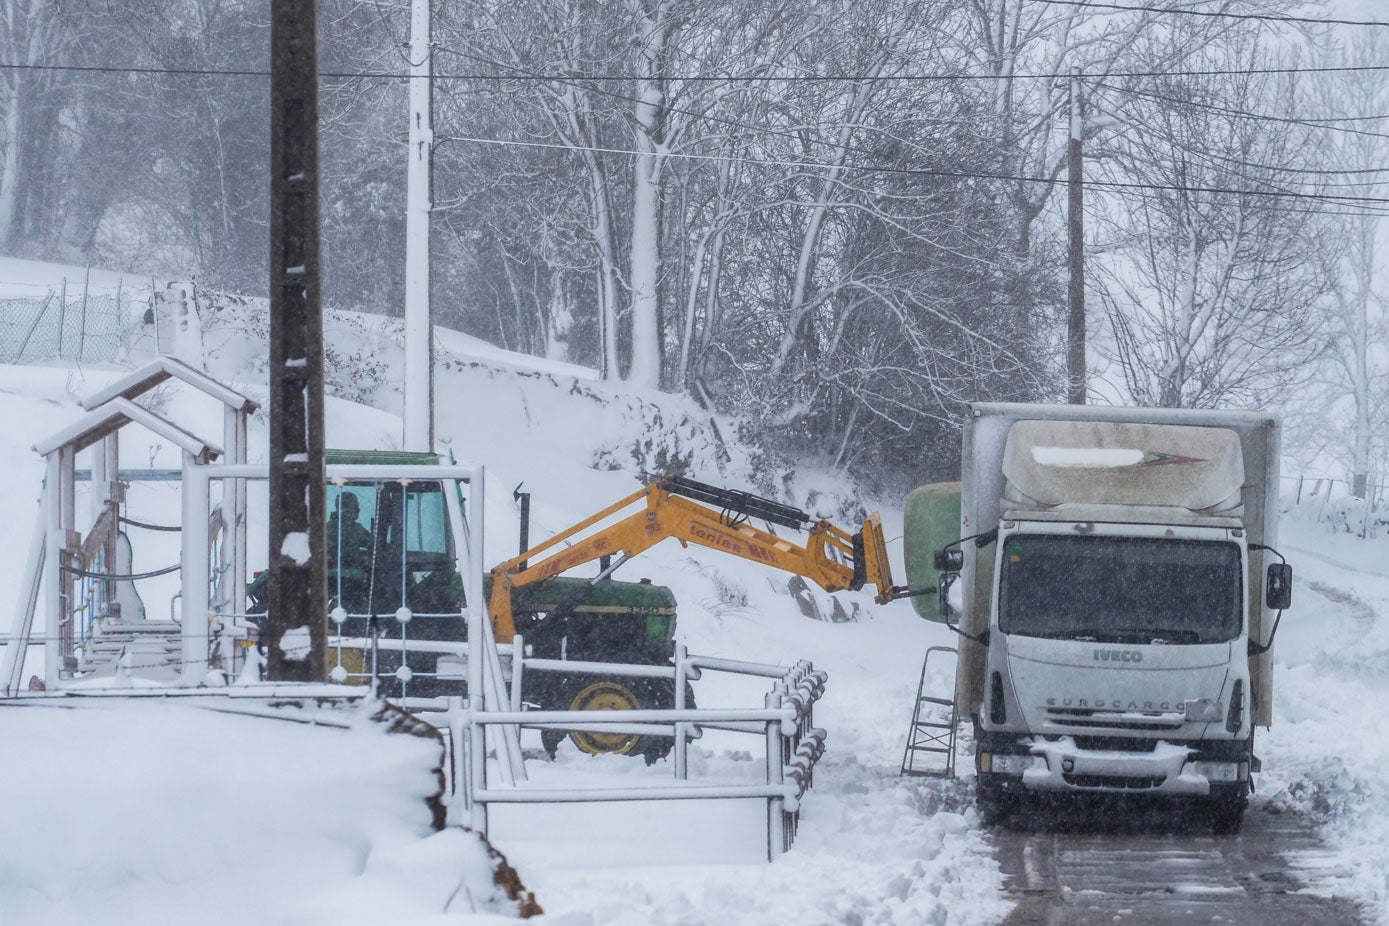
948, 560
947, 579
1279, 591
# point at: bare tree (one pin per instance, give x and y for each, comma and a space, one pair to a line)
33, 34
1357, 288
1213, 277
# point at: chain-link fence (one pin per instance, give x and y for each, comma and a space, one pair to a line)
65, 323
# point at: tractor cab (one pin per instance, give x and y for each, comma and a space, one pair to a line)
390, 545
392, 569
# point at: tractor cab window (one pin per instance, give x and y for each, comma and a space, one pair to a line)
389, 545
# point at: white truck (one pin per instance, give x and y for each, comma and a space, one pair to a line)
1117, 598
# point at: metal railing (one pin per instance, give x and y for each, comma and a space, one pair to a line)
488, 723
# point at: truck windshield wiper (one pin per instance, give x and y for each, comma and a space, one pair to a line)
1083, 636
1167, 635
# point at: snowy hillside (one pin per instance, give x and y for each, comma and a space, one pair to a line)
870, 843
154, 814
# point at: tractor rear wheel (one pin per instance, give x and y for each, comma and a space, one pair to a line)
607, 694
610, 694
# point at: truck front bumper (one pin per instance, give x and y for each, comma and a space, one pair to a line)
1027, 764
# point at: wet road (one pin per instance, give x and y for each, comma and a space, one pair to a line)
1143, 865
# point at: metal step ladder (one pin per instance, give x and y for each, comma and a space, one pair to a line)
933, 728
148, 647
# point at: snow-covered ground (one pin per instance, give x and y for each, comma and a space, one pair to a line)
1327, 753
159, 813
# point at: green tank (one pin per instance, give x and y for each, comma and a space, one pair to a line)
931, 520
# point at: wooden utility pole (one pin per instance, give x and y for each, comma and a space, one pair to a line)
419, 319
298, 548
1075, 327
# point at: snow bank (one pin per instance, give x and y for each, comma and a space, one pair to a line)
164, 814
1327, 754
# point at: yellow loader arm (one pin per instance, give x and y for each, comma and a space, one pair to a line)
693, 512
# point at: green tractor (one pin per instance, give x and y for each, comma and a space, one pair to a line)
391, 546
579, 620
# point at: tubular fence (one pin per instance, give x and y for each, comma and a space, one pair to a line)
67, 322
1333, 502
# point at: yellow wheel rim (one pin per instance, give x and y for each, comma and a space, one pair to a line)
604, 696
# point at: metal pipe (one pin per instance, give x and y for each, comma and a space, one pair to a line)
600, 668
603, 719
18, 646
737, 666
343, 472
67, 522
637, 729
682, 730
601, 795
478, 629
462, 793
776, 835
194, 571
53, 593
518, 662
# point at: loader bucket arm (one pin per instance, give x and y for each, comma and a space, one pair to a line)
683, 509
871, 555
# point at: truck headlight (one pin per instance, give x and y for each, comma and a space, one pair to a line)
1218, 771
1012, 765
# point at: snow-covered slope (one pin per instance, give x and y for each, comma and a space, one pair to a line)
872, 847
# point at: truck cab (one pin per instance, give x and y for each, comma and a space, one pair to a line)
1113, 602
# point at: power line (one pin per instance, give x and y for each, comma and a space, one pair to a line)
1244, 113
1279, 168
1213, 14
743, 125
682, 78
1331, 199
722, 120
1235, 164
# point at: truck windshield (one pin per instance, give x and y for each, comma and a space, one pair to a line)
1121, 589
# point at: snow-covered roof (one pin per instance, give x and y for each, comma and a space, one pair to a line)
116, 414
1124, 463
160, 370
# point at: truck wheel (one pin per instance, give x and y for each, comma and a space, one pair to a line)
995, 806
1227, 813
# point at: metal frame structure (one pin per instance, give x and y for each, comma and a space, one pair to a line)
58, 550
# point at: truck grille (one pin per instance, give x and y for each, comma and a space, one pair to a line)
1116, 782
1081, 718
1115, 743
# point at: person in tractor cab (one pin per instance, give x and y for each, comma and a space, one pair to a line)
350, 549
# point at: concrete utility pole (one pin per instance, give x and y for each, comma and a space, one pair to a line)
1075, 328
298, 548
419, 316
